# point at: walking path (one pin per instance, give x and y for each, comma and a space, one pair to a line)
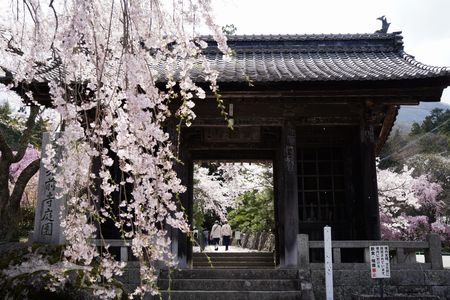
233, 249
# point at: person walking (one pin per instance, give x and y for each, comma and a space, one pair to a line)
226, 234
206, 236
216, 234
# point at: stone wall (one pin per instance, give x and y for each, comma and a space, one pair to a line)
261, 241
415, 283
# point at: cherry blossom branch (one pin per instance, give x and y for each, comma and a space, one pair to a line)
26, 134
122, 129
56, 21
21, 183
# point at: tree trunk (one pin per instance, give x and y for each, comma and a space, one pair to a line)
10, 204
9, 225
5, 220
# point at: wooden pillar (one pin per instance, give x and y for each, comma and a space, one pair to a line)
290, 195
185, 174
181, 245
369, 179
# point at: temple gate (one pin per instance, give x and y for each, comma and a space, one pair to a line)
320, 107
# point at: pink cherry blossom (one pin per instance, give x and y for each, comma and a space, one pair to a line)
31, 154
404, 202
217, 191
111, 57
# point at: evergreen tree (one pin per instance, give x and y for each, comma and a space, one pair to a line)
437, 122
254, 212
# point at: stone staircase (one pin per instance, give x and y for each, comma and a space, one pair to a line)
234, 260
230, 284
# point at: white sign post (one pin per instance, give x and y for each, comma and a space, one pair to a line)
379, 264
328, 263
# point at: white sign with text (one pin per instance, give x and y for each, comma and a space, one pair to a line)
379, 262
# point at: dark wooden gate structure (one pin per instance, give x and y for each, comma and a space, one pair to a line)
320, 107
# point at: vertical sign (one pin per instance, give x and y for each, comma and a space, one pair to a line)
328, 262
379, 262
47, 227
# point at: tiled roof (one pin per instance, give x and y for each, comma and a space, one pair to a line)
51, 71
305, 58
326, 57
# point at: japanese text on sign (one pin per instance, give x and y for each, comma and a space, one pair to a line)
379, 262
47, 205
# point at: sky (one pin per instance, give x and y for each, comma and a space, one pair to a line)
425, 24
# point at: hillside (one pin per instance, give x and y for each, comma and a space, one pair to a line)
416, 113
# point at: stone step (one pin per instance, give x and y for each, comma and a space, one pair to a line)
230, 285
237, 261
233, 254
231, 265
230, 295
233, 274
395, 297
233, 257
226, 267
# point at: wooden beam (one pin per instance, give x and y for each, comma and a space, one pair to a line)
386, 127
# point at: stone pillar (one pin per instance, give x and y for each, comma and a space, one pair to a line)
303, 251
49, 208
369, 179
290, 194
433, 254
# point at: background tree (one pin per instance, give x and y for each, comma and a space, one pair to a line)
437, 121
254, 212
234, 192
410, 207
390, 154
19, 161
431, 136
229, 29
437, 166
424, 150
11, 126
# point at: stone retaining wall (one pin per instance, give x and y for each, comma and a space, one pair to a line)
348, 283
415, 284
261, 241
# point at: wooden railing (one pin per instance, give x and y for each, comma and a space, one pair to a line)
403, 253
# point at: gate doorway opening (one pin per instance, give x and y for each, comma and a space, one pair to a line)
233, 213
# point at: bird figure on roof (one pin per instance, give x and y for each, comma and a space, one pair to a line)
384, 25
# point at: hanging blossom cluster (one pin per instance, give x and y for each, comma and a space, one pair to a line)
120, 73
406, 205
218, 188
